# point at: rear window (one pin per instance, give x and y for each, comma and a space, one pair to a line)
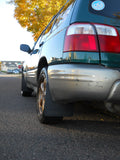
108, 8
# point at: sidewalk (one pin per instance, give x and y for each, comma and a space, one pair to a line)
9, 75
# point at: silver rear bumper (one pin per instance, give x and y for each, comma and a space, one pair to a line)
76, 82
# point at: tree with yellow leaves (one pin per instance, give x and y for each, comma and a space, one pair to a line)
36, 14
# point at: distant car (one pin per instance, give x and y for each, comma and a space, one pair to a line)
75, 59
16, 71
9, 71
20, 70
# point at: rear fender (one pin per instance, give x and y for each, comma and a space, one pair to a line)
42, 63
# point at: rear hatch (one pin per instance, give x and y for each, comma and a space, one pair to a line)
104, 18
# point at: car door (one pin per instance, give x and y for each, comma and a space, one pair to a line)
33, 64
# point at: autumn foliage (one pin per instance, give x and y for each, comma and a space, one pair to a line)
35, 14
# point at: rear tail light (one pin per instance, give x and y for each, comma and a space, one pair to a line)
83, 37
80, 37
109, 39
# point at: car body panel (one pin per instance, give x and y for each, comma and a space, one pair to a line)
90, 17
31, 70
81, 57
81, 82
76, 75
53, 45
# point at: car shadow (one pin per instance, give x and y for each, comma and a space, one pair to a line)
91, 120
88, 126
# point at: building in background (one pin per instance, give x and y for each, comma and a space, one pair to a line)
10, 65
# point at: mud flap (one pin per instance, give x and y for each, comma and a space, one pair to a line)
55, 109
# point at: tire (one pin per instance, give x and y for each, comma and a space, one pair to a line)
25, 91
42, 95
113, 108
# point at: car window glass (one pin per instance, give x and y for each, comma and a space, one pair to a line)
47, 31
37, 43
62, 17
49, 26
108, 8
45, 35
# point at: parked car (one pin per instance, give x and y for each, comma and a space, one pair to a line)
76, 58
16, 71
9, 71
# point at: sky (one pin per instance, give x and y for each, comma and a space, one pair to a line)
12, 35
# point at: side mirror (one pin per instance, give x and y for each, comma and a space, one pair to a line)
25, 48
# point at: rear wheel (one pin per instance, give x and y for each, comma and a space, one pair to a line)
43, 92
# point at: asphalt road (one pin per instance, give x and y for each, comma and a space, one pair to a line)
22, 137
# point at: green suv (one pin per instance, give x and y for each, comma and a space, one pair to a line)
75, 59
